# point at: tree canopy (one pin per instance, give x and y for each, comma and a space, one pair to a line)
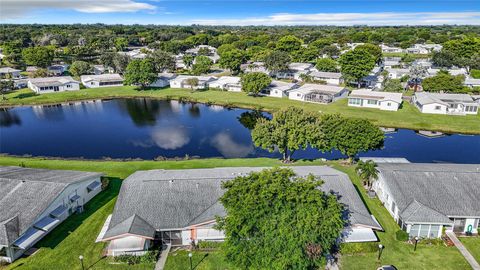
289, 43
373, 50
327, 65
254, 82
232, 60
140, 72
202, 65
356, 64
277, 61
443, 81
163, 61
38, 56
277, 220
79, 68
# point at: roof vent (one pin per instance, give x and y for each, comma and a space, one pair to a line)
170, 181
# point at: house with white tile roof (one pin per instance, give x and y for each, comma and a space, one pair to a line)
332, 78
318, 93
53, 84
227, 83
181, 81
9, 73
278, 89
385, 101
102, 80
442, 103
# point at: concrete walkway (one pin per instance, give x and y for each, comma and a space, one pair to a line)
470, 259
163, 258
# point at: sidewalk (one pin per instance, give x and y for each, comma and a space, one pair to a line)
163, 258
470, 259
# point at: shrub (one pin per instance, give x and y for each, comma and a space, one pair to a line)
475, 73
129, 259
209, 244
105, 181
401, 235
357, 248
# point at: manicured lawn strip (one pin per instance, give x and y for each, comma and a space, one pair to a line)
473, 245
407, 117
398, 253
202, 260
76, 236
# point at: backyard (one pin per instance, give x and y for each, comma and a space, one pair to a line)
76, 236
407, 117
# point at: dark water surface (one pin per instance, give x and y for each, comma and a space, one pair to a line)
143, 128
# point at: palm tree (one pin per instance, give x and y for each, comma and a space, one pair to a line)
367, 171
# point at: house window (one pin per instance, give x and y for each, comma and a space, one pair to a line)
437, 108
414, 230
389, 104
424, 230
471, 108
372, 102
393, 207
355, 101
298, 94
434, 231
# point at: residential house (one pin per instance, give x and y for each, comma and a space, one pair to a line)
163, 79
102, 80
179, 207
453, 71
278, 89
426, 63
255, 67
57, 70
101, 69
212, 52
9, 73
227, 83
374, 79
385, 101
53, 84
318, 93
389, 49
333, 78
35, 201
391, 62
440, 103
182, 81
294, 71
424, 48
471, 82
426, 198
397, 73
31, 69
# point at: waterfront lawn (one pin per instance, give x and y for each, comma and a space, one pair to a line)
473, 245
76, 236
201, 260
407, 117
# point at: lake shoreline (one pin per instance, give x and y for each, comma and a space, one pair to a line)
418, 121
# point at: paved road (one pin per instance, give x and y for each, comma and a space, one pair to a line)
470, 259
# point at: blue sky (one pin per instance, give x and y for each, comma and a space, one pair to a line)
230, 12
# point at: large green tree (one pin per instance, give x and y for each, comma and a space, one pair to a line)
367, 170
202, 65
356, 64
38, 56
289, 130
254, 82
277, 61
289, 43
327, 65
163, 61
278, 220
351, 136
79, 68
140, 72
232, 60
464, 50
443, 81
372, 49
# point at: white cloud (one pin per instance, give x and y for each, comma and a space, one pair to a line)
170, 138
228, 147
11, 9
345, 19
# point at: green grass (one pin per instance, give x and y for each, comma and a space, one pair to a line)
76, 236
201, 260
407, 117
473, 245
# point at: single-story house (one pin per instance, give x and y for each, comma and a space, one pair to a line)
255, 67
390, 62
471, 82
212, 52
228, 83
102, 80
135, 53
101, 69
385, 101
278, 89
294, 71
426, 63
53, 84
57, 70
9, 73
163, 79
181, 81
453, 71
178, 207
31, 69
397, 73
389, 49
318, 93
425, 198
34, 201
439, 103
333, 78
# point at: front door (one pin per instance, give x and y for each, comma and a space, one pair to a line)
459, 225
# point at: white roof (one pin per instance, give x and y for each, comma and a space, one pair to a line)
101, 78
441, 98
299, 66
472, 81
398, 70
181, 78
281, 86
227, 80
48, 81
328, 75
8, 70
382, 96
308, 88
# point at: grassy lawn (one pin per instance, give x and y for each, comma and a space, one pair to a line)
200, 260
76, 236
407, 117
473, 245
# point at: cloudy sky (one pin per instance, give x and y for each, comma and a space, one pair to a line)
250, 12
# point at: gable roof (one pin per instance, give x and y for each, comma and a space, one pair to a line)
52, 81
377, 95
25, 193
101, 78
132, 225
327, 75
176, 199
442, 98
427, 192
324, 88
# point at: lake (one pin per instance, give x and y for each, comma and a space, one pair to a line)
148, 129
